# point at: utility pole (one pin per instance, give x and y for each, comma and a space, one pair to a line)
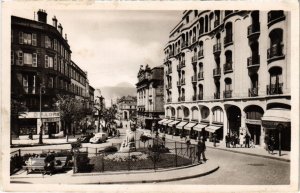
42, 87
101, 98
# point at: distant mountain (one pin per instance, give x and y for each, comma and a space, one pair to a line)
114, 92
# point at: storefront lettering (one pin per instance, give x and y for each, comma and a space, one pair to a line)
29, 115
253, 121
273, 124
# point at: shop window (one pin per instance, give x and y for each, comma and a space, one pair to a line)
218, 115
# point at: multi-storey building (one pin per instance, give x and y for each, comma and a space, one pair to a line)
228, 72
126, 107
41, 69
150, 96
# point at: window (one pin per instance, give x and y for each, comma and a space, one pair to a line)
34, 60
27, 59
34, 39
48, 42
20, 37
20, 58
50, 62
50, 82
55, 63
46, 61
27, 38
218, 115
55, 44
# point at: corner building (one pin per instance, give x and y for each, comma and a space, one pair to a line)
228, 72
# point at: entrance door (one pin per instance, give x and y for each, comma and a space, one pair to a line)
255, 132
234, 120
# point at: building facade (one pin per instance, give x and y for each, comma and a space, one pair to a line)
150, 99
228, 72
126, 106
41, 69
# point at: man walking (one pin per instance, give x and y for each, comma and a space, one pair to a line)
227, 140
201, 147
247, 139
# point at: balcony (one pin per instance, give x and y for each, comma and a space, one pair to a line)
29, 89
254, 29
228, 67
274, 17
182, 63
178, 67
200, 96
194, 78
217, 72
217, 95
194, 59
179, 99
228, 40
274, 89
184, 44
183, 98
227, 94
194, 39
200, 75
182, 82
200, 54
217, 48
194, 97
169, 100
169, 86
275, 52
253, 92
216, 23
171, 54
179, 83
169, 70
253, 61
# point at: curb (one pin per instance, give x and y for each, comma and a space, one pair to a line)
37, 145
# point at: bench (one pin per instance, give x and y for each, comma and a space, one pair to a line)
38, 164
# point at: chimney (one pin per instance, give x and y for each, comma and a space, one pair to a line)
42, 16
60, 29
54, 21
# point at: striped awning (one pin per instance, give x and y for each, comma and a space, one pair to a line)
173, 123
212, 128
189, 126
199, 127
161, 121
168, 121
181, 124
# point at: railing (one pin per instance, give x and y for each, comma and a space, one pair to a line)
194, 97
182, 81
228, 39
217, 47
182, 63
169, 86
194, 40
178, 67
275, 51
217, 95
169, 70
183, 98
273, 89
200, 96
216, 23
227, 93
184, 44
179, 83
200, 54
253, 92
179, 99
29, 90
253, 61
194, 78
217, 72
194, 59
200, 75
227, 67
254, 28
171, 54
274, 15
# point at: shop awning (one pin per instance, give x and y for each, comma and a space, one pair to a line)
274, 117
212, 128
173, 123
181, 124
161, 121
199, 127
189, 126
166, 122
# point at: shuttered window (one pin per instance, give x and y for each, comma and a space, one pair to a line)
34, 39
46, 61
20, 37
34, 60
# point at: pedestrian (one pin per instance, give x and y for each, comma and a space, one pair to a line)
215, 139
233, 141
201, 147
271, 144
247, 139
30, 135
49, 164
241, 140
266, 140
164, 138
227, 140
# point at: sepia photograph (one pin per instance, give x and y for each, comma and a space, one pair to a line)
150, 98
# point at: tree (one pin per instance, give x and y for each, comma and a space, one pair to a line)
71, 110
109, 115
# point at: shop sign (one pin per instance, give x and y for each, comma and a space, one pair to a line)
273, 124
32, 115
253, 121
51, 120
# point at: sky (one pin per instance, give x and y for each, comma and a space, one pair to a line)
112, 45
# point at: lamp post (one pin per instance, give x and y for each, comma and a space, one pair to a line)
101, 98
42, 87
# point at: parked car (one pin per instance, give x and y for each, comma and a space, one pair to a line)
99, 138
85, 138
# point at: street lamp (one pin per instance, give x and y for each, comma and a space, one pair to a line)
101, 98
42, 90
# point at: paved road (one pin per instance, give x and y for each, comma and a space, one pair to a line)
240, 169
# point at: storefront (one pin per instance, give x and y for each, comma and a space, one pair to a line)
199, 130
254, 130
30, 122
172, 128
277, 123
179, 129
165, 124
160, 123
189, 130
217, 129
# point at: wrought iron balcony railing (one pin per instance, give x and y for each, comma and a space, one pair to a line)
273, 89
227, 93
200, 54
216, 72
217, 48
275, 51
275, 15
253, 92
200, 75
217, 95
200, 96
227, 39
228, 67
253, 29
253, 61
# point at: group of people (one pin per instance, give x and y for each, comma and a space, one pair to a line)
234, 140
270, 143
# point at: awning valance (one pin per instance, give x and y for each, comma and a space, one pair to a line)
189, 126
277, 115
199, 127
166, 122
181, 124
173, 123
161, 121
212, 128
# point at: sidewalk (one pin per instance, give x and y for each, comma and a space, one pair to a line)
34, 142
257, 151
126, 177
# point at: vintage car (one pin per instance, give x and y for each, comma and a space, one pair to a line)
85, 138
99, 138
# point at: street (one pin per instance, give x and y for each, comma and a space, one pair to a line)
240, 169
